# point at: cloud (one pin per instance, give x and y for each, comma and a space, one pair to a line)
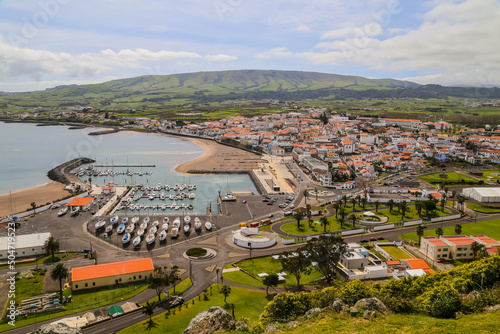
281, 52
220, 57
371, 29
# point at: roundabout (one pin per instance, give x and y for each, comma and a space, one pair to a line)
199, 254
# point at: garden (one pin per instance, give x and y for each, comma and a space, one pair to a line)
447, 179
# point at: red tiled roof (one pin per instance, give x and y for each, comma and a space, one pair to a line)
80, 201
459, 240
435, 241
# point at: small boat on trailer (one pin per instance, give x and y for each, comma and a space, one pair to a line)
137, 240
121, 229
100, 224
163, 235
140, 232
150, 238
126, 238
208, 225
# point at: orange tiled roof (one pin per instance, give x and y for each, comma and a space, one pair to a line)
111, 269
80, 201
459, 240
419, 264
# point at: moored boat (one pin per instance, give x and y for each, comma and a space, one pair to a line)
136, 241
100, 224
197, 223
121, 229
125, 220
208, 225
130, 228
186, 228
163, 235
135, 220
126, 238
109, 228
63, 211
113, 220
175, 232
187, 219
140, 232
153, 230
150, 238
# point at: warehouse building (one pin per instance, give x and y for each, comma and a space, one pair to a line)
111, 274
26, 245
483, 195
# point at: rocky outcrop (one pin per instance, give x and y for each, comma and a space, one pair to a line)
372, 304
312, 312
369, 314
241, 326
493, 308
57, 329
272, 328
337, 305
210, 321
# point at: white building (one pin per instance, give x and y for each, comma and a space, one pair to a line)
25, 245
483, 195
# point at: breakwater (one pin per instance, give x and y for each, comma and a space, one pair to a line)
62, 174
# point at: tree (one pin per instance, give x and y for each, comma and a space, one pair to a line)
33, 206
158, 281
354, 218
443, 203
439, 231
296, 264
51, 245
60, 272
354, 201
363, 201
324, 222
403, 207
420, 231
377, 204
337, 205
453, 194
173, 276
308, 214
225, 290
419, 206
270, 281
476, 248
342, 217
316, 192
305, 193
461, 201
298, 217
326, 251
149, 310
358, 198
390, 204
217, 274
344, 199
458, 229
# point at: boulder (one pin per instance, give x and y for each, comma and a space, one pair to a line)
337, 305
272, 328
57, 329
372, 304
493, 308
369, 314
292, 324
354, 311
312, 312
210, 321
345, 309
241, 326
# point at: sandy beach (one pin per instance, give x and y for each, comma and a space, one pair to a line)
220, 158
21, 200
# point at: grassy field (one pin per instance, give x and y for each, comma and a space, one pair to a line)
452, 178
41, 260
179, 289
488, 172
396, 253
82, 300
488, 227
483, 208
269, 265
410, 214
330, 323
292, 228
247, 303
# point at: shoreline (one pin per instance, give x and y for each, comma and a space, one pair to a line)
21, 200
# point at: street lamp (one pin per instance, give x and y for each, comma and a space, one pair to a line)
36, 260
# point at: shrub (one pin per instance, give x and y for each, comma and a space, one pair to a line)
442, 301
286, 307
354, 291
195, 252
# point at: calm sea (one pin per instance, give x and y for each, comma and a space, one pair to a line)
28, 152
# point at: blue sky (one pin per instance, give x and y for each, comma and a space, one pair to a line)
45, 43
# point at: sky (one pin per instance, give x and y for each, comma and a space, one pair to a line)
46, 43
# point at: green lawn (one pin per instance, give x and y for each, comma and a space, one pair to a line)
489, 172
292, 228
82, 300
179, 288
242, 278
247, 303
488, 227
452, 178
410, 214
41, 260
483, 208
396, 253
269, 265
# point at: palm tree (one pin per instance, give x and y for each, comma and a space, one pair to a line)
358, 198
60, 272
476, 247
308, 214
420, 231
439, 231
298, 217
461, 201
377, 204
453, 194
344, 199
33, 206
354, 218
324, 221
363, 201
225, 290
342, 217
51, 245
305, 193
443, 203
149, 310
390, 204
458, 229
354, 201
337, 206
419, 206
403, 206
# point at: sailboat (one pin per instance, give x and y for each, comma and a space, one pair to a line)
140, 232
100, 224
130, 228
121, 229
197, 223
208, 225
126, 238
150, 238
163, 235
136, 241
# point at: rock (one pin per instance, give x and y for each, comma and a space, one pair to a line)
372, 304
292, 324
210, 321
493, 308
369, 314
57, 329
312, 312
272, 328
241, 326
354, 311
345, 308
337, 305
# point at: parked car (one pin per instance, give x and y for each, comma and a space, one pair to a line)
244, 201
380, 237
373, 239
270, 203
364, 240
441, 260
270, 216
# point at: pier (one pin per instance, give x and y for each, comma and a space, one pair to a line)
125, 166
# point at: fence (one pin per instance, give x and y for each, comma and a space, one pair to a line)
440, 219
413, 222
351, 232
384, 227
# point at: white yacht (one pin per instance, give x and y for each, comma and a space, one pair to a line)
63, 211
208, 225
163, 235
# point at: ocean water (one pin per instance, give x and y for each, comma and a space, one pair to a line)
28, 152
